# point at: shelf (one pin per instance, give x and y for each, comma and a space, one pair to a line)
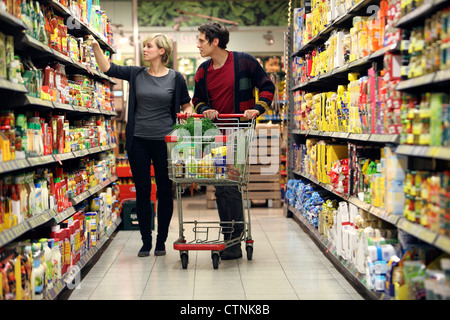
17, 164
417, 230
75, 26
10, 23
337, 76
25, 43
438, 81
30, 101
39, 219
434, 152
343, 21
418, 16
70, 279
330, 251
9, 86
365, 137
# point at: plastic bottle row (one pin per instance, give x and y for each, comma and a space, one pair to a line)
387, 260
30, 269
378, 176
43, 25
33, 134
28, 194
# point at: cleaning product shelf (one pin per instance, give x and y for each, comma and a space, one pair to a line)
330, 250
417, 230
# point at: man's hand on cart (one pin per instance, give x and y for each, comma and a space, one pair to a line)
211, 114
214, 114
251, 113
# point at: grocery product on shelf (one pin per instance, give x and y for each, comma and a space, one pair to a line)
375, 85
55, 256
57, 107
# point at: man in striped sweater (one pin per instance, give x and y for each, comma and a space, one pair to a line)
225, 84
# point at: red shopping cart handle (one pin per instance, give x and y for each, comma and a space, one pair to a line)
221, 115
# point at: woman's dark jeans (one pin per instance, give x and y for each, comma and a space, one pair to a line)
140, 156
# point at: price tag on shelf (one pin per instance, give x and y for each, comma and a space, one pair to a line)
406, 225
426, 234
443, 242
21, 228
360, 204
432, 151
81, 109
341, 135
95, 189
36, 161
443, 153
59, 286
423, 80
21, 163
80, 197
63, 215
94, 110
62, 106
95, 150
392, 218
377, 211
81, 153
5, 166
38, 220
39, 102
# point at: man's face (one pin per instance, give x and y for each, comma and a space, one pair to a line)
204, 46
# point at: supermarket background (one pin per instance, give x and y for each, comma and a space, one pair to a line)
360, 121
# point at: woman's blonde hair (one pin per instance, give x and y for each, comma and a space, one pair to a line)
163, 42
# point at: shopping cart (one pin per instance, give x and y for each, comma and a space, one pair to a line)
218, 157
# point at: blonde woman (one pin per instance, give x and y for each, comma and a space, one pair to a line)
156, 95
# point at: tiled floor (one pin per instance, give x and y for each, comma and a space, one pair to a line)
286, 265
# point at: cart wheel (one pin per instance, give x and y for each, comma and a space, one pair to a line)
215, 260
184, 260
249, 252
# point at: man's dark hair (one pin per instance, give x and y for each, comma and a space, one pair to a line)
214, 30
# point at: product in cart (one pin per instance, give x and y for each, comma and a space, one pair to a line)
212, 154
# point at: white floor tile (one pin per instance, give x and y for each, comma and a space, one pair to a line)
286, 265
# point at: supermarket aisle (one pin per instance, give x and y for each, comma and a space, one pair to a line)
286, 265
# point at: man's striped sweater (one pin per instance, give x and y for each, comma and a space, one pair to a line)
248, 75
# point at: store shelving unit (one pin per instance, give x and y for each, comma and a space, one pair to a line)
14, 96
436, 82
